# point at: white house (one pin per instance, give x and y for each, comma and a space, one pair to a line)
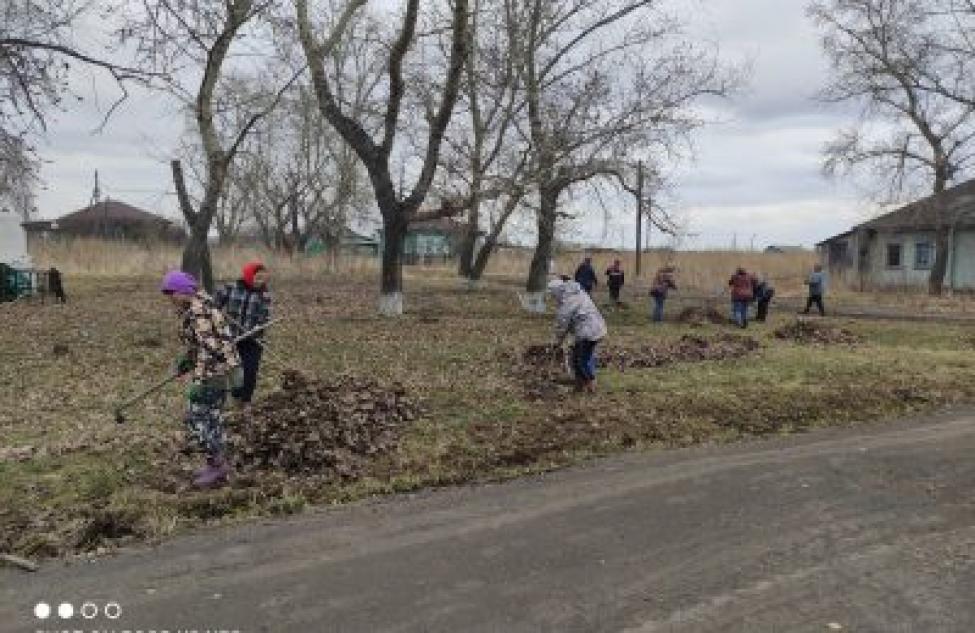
897, 249
13, 241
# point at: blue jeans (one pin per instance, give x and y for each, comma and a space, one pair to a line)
584, 359
658, 308
739, 312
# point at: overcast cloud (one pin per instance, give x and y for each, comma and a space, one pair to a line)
755, 179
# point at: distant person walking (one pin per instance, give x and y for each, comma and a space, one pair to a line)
586, 275
614, 281
741, 295
762, 292
817, 284
55, 285
663, 282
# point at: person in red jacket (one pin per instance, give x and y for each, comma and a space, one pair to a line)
741, 295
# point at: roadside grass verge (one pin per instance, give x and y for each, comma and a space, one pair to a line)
72, 481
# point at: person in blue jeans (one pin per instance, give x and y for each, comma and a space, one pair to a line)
576, 314
663, 282
742, 284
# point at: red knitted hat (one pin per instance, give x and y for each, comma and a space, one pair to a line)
250, 269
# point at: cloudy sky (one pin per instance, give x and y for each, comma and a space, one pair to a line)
755, 179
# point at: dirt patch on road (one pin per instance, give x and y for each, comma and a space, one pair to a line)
816, 333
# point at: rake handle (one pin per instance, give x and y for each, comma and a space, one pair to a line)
156, 387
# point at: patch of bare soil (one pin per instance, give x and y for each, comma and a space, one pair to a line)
321, 426
816, 333
700, 316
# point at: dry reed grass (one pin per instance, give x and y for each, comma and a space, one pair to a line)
698, 272
702, 271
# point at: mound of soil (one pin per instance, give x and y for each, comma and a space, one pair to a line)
541, 368
816, 333
688, 349
700, 316
314, 427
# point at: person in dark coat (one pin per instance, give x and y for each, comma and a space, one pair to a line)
55, 285
762, 293
586, 275
614, 281
247, 303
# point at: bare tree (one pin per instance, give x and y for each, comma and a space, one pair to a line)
890, 57
397, 210
308, 181
183, 39
483, 150
605, 82
18, 175
38, 48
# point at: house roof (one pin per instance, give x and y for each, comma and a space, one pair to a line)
114, 211
958, 203
446, 225
105, 212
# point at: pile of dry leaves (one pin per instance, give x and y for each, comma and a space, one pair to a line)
541, 368
313, 426
687, 349
816, 333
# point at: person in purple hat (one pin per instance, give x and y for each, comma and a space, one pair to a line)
211, 364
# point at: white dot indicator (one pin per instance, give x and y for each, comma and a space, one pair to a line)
113, 611
89, 610
66, 610
42, 610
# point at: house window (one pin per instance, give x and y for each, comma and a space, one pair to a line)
893, 255
923, 255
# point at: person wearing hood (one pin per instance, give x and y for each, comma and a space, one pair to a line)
210, 364
247, 304
576, 314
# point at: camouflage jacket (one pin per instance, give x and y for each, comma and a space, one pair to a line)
210, 345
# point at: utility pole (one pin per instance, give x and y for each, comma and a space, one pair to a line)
639, 214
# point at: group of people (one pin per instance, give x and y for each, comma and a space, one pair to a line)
577, 314
223, 349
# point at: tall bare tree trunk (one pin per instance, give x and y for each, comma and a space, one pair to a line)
939, 267
468, 243
394, 235
538, 271
196, 259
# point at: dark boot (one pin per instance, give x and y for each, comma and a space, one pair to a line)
214, 474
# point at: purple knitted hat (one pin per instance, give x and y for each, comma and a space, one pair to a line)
178, 283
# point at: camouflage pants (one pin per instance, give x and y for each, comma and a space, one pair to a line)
204, 419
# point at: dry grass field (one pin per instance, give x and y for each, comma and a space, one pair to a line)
73, 481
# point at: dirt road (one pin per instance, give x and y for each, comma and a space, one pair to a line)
869, 529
